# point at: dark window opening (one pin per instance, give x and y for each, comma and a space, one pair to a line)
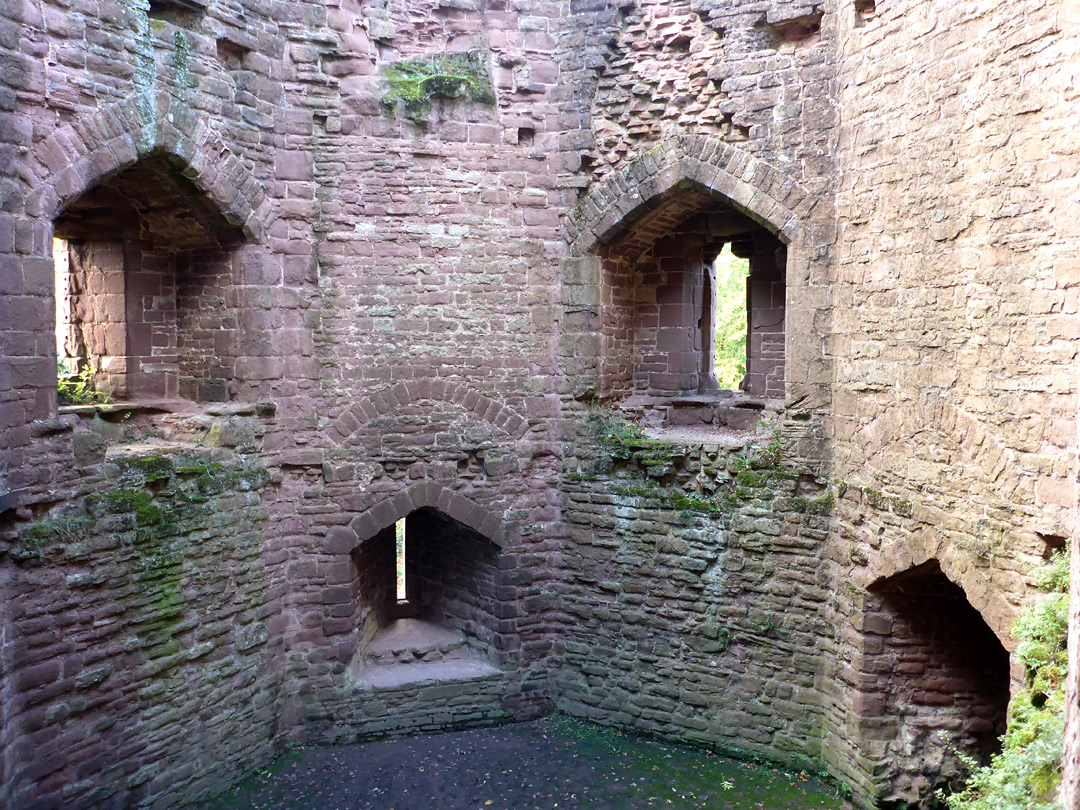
183, 13
231, 54
1052, 544
143, 271
427, 592
865, 11
806, 29
934, 685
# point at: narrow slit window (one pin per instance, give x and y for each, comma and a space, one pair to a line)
66, 357
730, 319
399, 547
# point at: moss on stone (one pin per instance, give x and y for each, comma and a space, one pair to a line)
149, 468
822, 505
34, 538
247, 479
414, 83
749, 478
210, 484
695, 503
201, 468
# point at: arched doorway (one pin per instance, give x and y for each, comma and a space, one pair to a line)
933, 685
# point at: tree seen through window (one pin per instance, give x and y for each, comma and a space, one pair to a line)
731, 318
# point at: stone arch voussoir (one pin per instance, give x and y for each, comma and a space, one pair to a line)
463, 509
403, 394
77, 157
760, 191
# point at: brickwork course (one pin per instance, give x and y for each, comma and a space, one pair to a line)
344, 264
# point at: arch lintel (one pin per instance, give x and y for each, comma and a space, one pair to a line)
754, 188
80, 156
426, 494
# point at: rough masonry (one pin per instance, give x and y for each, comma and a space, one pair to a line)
348, 266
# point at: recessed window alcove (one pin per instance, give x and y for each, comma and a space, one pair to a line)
144, 271
659, 316
427, 604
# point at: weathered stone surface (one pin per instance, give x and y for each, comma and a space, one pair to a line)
399, 311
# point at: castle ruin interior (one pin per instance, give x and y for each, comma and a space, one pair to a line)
388, 335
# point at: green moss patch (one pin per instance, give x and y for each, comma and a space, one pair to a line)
414, 83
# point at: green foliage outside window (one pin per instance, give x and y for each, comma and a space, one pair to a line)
730, 328
76, 387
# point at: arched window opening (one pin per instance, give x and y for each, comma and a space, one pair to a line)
427, 596
143, 266
934, 686
692, 288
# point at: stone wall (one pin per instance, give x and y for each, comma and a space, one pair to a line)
955, 309
694, 587
425, 280
138, 657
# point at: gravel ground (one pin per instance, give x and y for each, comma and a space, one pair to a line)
555, 762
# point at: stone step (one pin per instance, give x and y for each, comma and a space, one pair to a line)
414, 641
400, 676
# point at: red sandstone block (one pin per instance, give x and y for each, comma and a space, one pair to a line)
426, 493
403, 503
472, 514
480, 404
484, 133
294, 164
37, 675
384, 514
491, 525
445, 501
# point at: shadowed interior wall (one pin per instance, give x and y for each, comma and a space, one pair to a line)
374, 592
458, 579
153, 302
657, 298
933, 684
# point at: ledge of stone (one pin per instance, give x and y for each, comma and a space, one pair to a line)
150, 449
125, 409
400, 676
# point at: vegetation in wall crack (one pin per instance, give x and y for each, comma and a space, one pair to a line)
1027, 772
623, 445
816, 506
34, 538
414, 83
620, 439
609, 427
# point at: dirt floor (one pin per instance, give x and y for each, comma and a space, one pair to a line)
555, 762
